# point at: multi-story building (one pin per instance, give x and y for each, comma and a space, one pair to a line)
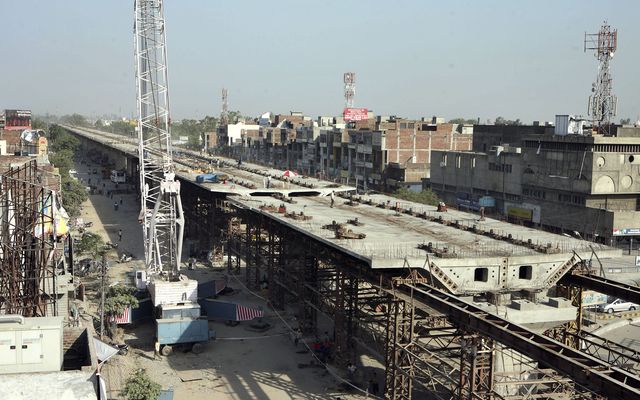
398, 152
379, 153
580, 184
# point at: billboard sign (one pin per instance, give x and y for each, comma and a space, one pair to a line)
520, 213
355, 114
17, 119
626, 232
592, 298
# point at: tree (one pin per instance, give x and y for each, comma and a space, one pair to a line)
63, 149
209, 124
74, 119
426, 196
463, 121
38, 123
625, 121
121, 127
99, 124
117, 299
140, 387
502, 121
92, 244
65, 141
73, 195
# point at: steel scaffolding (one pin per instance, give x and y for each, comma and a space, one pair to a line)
29, 251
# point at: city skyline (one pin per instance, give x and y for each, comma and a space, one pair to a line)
521, 60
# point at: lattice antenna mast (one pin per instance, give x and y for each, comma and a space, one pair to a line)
161, 207
224, 114
602, 102
349, 88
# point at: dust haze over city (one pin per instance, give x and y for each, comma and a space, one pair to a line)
465, 59
319, 200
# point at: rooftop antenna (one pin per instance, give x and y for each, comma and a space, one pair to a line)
349, 88
602, 103
224, 114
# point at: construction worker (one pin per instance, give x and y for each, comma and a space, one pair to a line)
120, 235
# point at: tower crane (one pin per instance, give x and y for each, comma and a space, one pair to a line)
178, 319
161, 207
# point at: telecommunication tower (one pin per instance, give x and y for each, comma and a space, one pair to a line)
224, 114
602, 102
161, 207
349, 88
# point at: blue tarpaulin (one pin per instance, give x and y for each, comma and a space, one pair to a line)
144, 310
211, 288
222, 311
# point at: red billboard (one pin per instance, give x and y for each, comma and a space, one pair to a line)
17, 119
355, 114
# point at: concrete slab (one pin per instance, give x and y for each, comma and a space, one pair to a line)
535, 316
66, 385
472, 262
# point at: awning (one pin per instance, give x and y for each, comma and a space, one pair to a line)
104, 351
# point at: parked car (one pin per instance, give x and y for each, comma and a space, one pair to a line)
73, 171
618, 305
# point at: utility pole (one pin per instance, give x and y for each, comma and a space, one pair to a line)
103, 270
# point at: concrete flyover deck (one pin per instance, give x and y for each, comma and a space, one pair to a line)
465, 253
246, 180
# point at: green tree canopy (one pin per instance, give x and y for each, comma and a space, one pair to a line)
38, 123
426, 196
502, 121
73, 195
74, 119
140, 387
463, 121
63, 148
92, 244
119, 297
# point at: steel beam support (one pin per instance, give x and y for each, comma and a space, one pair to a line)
607, 286
586, 370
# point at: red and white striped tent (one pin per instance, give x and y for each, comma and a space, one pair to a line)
289, 173
223, 311
123, 318
247, 314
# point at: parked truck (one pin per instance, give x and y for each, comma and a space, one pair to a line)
178, 320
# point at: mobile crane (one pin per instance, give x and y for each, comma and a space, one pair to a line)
178, 318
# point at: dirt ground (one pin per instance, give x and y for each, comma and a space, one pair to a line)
240, 363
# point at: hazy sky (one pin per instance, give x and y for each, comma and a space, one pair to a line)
516, 59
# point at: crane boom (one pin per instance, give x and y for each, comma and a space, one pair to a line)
161, 207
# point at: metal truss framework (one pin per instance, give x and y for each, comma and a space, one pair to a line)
602, 103
161, 206
572, 334
425, 352
29, 255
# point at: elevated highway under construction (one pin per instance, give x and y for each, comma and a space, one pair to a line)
456, 305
